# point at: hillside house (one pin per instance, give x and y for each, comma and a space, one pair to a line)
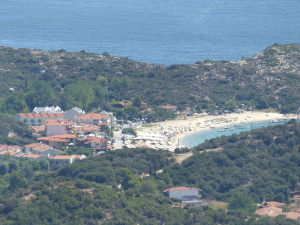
64, 159
33, 156
41, 149
169, 107
273, 209
182, 193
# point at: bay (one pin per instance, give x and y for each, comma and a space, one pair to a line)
162, 32
199, 137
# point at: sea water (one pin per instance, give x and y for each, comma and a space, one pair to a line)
199, 137
162, 32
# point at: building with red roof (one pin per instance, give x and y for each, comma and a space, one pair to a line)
37, 119
169, 107
93, 118
58, 140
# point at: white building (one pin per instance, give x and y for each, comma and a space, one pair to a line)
47, 109
112, 122
71, 114
182, 193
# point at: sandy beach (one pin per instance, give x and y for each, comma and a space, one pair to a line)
168, 134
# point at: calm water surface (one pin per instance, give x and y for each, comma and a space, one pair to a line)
163, 32
199, 137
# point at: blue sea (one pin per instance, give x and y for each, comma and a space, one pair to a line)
199, 137
162, 32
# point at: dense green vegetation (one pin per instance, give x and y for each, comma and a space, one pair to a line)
92, 81
115, 188
14, 132
264, 164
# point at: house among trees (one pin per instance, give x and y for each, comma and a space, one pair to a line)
182, 193
169, 107
187, 195
11, 150
64, 159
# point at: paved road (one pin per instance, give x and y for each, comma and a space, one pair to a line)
118, 140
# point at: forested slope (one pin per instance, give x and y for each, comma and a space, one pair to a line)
35, 77
123, 186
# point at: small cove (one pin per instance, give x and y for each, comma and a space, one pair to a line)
199, 137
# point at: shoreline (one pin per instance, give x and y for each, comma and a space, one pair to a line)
175, 131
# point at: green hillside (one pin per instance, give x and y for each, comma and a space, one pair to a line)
35, 77
115, 188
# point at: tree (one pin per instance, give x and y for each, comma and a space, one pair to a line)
4, 168
242, 201
40, 94
17, 180
13, 165
45, 165
137, 101
28, 171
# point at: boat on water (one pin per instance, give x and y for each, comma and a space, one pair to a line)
231, 129
274, 121
221, 130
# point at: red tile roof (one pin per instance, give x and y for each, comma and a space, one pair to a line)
56, 124
67, 136
181, 189
45, 115
92, 116
169, 106
33, 145
61, 157
292, 215
23, 115
272, 203
33, 156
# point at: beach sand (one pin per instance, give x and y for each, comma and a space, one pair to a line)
176, 130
